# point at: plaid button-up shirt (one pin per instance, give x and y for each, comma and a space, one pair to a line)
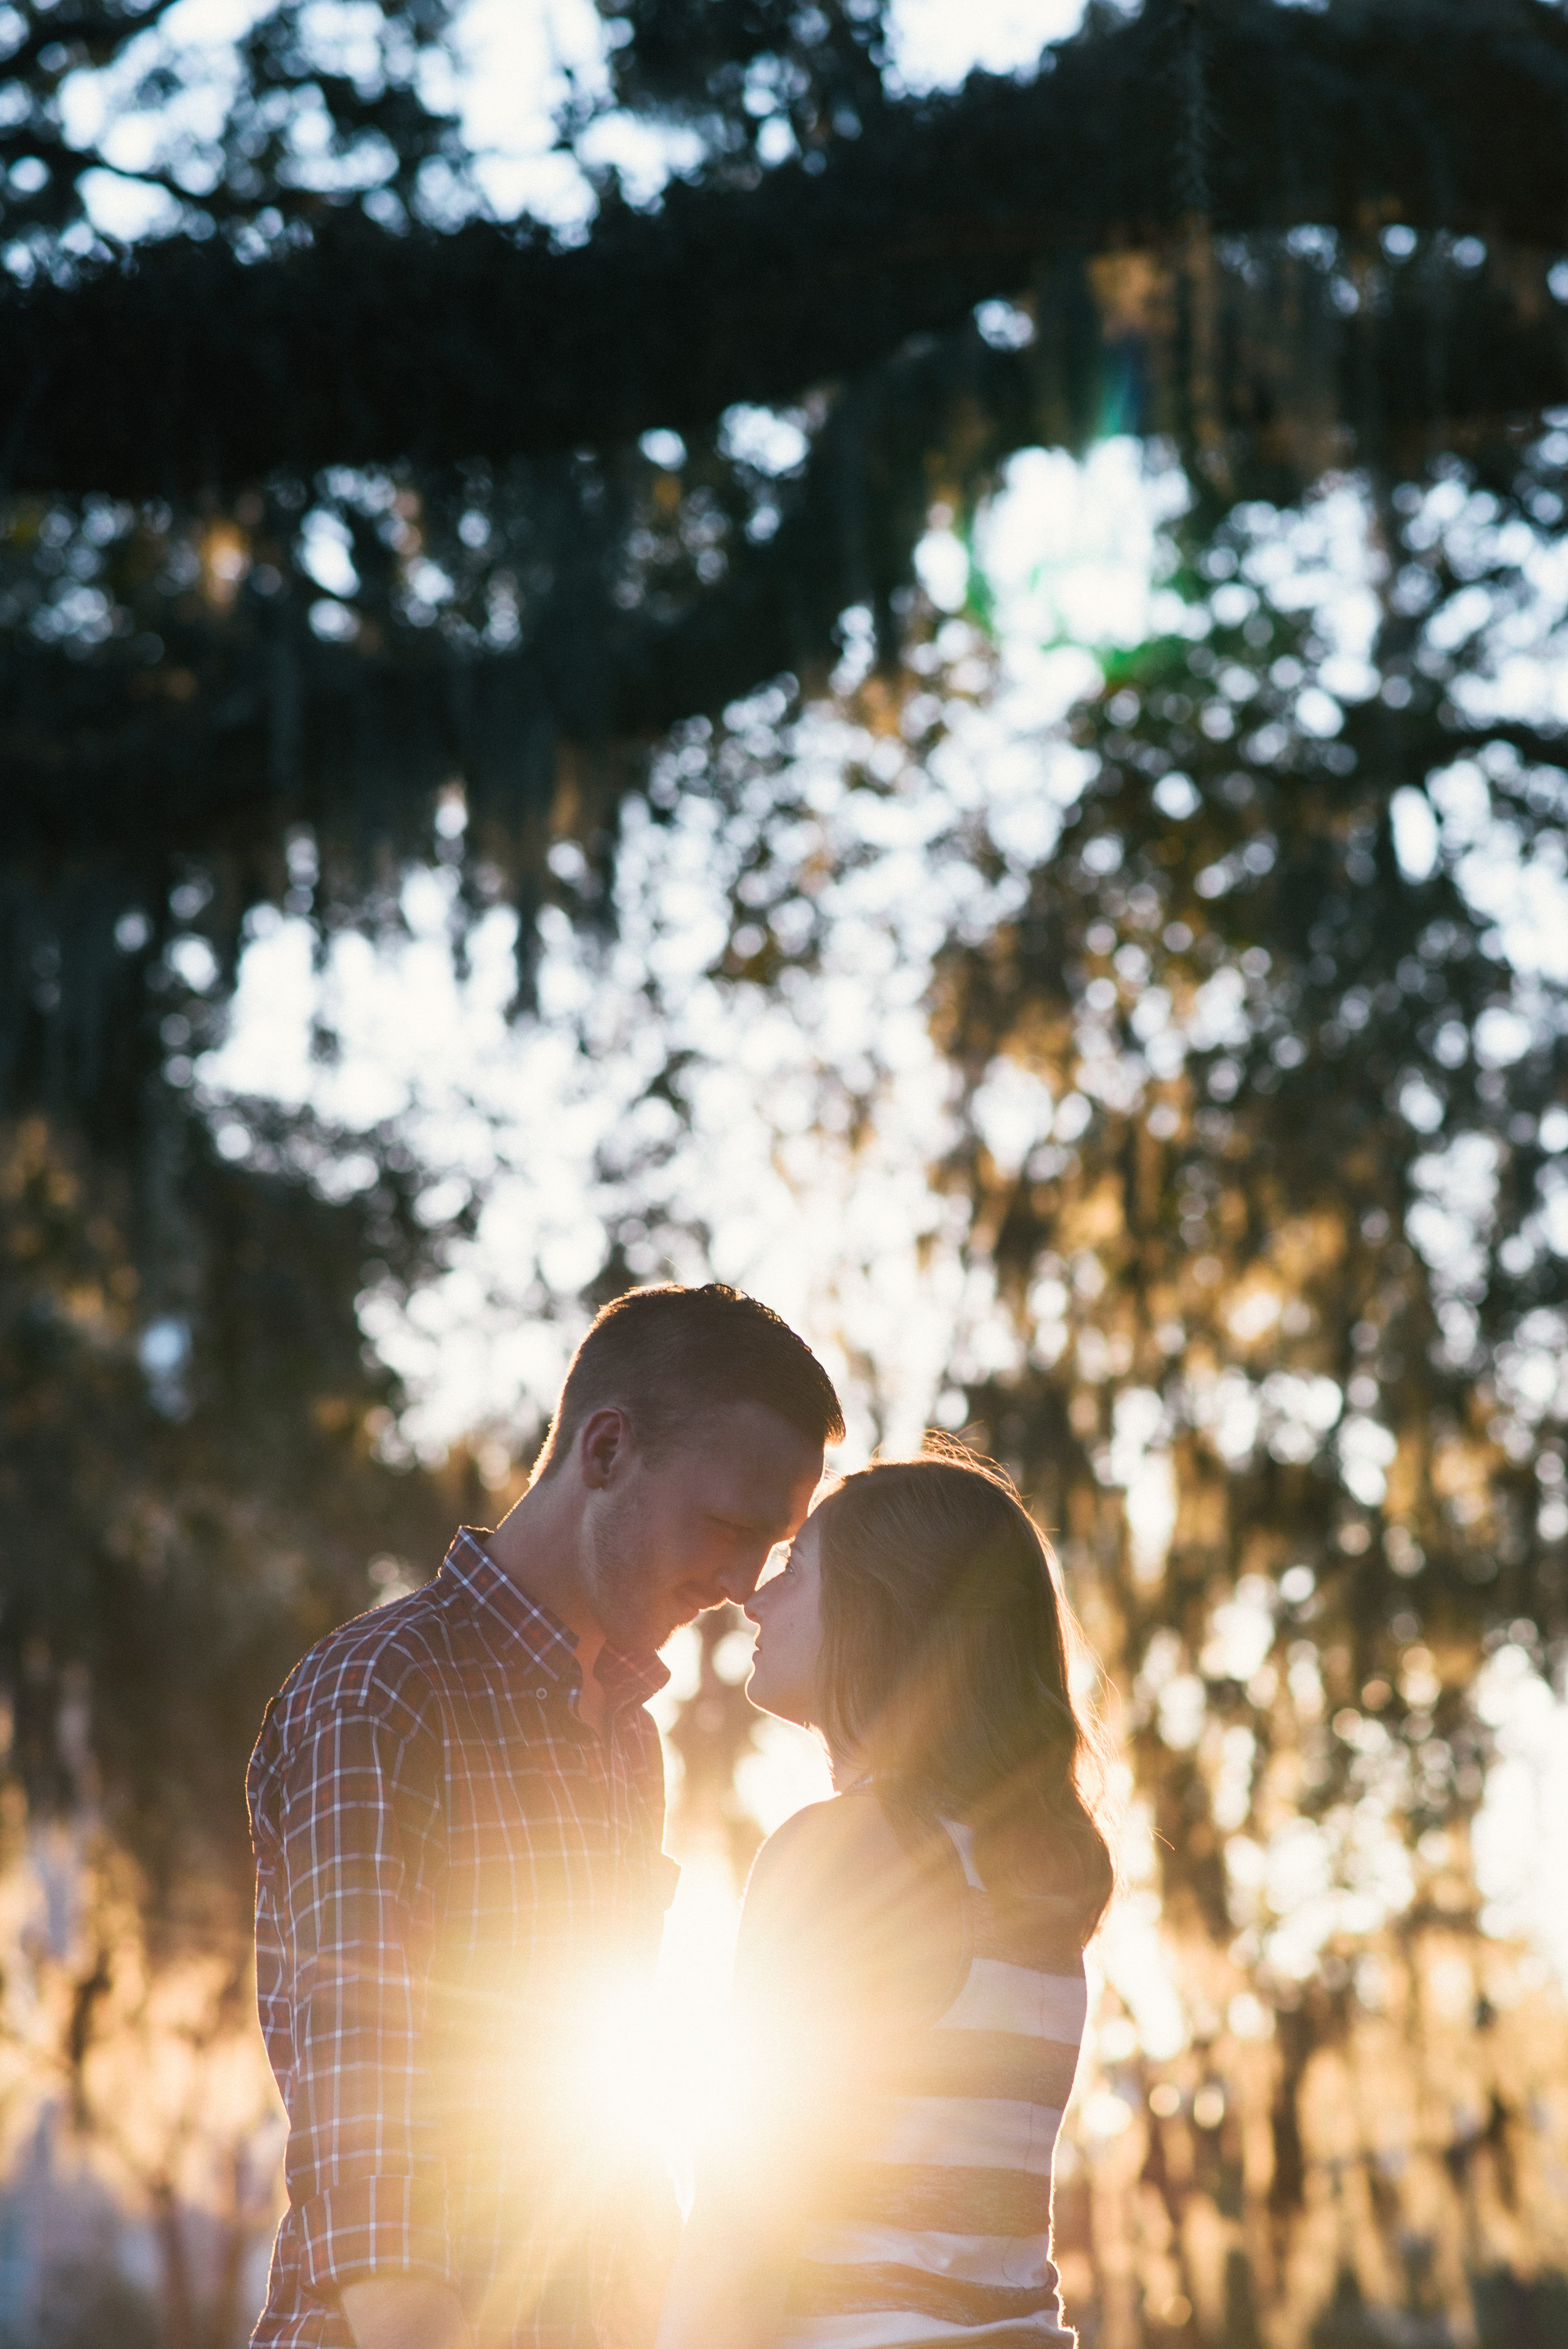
450, 1872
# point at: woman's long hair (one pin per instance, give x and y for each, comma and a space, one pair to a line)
946, 1669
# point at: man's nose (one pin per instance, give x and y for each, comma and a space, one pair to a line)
738, 1583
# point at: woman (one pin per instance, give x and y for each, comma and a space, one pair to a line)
910, 1986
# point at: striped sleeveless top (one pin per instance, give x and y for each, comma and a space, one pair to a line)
938, 2230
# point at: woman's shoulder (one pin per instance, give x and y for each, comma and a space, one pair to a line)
850, 1898
847, 1838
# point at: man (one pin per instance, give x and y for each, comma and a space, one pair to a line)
456, 1804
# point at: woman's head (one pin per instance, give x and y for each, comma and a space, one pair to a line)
920, 1627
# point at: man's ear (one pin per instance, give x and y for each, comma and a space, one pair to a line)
603, 1446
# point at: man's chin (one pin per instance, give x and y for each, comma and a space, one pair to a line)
685, 1608
647, 1633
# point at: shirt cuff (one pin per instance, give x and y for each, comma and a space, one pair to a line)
374, 2225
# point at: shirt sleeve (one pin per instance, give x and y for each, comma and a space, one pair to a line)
351, 1893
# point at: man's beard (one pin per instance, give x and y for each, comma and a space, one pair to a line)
635, 1616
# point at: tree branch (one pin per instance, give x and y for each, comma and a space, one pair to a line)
366, 347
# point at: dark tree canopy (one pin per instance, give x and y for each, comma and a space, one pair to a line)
358, 346
1283, 238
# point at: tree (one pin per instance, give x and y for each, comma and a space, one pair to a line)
378, 521
1290, 1318
192, 1494
309, 579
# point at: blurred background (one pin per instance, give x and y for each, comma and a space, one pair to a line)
910, 656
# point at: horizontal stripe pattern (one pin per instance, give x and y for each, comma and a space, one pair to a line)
831, 2289
1047, 1942
894, 2328
961, 2132
981, 2258
1009, 2065
936, 2234
999, 1997
935, 2194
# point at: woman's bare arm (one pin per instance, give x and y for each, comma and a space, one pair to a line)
728, 2280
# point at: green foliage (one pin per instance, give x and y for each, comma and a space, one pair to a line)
758, 80
438, 557
190, 1481
394, 501
1278, 1044
354, 345
1288, 1247
319, 114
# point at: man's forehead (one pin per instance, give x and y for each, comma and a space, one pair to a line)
758, 1425
747, 1444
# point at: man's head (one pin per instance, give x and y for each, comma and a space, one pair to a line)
694, 1421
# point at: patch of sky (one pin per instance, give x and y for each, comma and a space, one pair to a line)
935, 46
1416, 834
326, 552
512, 67
1521, 885
942, 566
1451, 1220
766, 438
1312, 1879
1242, 1631
1176, 795
506, 73
1152, 1503
1520, 1837
1232, 1792
164, 1352
1365, 1451
516, 65
193, 963
662, 449
1533, 1377
1005, 325
160, 106
1012, 1110
1132, 1956
1070, 550
1137, 1460
1297, 1412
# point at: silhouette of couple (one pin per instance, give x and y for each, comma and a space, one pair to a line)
456, 1806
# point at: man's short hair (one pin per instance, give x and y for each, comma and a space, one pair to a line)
665, 1356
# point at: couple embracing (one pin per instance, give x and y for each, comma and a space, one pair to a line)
456, 1804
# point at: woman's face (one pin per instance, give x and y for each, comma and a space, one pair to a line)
788, 1609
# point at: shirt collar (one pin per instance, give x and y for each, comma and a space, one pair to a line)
630, 1680
543, 1636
